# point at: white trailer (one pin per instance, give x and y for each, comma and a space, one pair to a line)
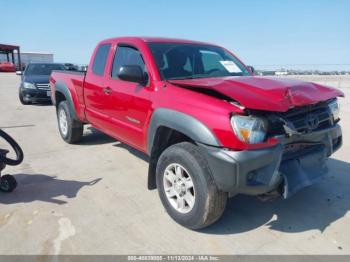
38, 57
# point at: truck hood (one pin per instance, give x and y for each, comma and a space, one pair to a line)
263, 93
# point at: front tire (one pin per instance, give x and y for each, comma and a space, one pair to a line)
70, 129
186, 187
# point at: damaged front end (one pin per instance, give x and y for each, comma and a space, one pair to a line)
309, 135
301, 118
306, 137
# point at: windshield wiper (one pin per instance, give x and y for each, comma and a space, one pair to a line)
181, 78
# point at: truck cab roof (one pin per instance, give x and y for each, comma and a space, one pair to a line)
153, 39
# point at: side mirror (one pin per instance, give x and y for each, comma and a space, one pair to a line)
19, 73
252, 69
132, 73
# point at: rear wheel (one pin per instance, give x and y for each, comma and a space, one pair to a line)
186, 188
71, 130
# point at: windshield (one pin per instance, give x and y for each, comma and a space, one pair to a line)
185, 61
42, 69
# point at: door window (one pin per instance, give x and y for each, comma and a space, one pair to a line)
126, 55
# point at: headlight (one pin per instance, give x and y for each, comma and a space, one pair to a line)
334, 108
29, 85
249, 129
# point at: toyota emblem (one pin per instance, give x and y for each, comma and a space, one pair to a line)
312, 121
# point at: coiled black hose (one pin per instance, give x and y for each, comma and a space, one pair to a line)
16, 148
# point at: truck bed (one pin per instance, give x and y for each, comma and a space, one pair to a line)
74, 81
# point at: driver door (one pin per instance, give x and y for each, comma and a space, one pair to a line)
131, 105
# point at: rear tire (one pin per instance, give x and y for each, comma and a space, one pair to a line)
207, 203
70, 129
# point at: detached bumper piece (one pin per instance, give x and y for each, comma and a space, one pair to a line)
296, 162
303, 171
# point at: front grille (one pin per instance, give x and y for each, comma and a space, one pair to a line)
302, 119
45, 86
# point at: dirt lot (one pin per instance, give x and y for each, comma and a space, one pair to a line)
91, 198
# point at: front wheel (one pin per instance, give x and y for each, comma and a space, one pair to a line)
70, 129
186, 188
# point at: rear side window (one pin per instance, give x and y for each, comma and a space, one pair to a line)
99, 65
126, 55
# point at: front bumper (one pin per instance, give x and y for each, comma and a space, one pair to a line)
260, 171
35, 95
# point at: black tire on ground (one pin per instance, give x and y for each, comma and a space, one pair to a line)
209, 201
8, 183
75, 128
21, 99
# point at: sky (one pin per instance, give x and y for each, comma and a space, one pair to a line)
263, 33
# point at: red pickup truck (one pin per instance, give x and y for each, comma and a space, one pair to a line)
211, 128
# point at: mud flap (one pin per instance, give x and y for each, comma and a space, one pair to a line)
302, 172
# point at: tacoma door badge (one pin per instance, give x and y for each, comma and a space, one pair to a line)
133, 120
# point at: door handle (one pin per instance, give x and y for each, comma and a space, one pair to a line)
107, 90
